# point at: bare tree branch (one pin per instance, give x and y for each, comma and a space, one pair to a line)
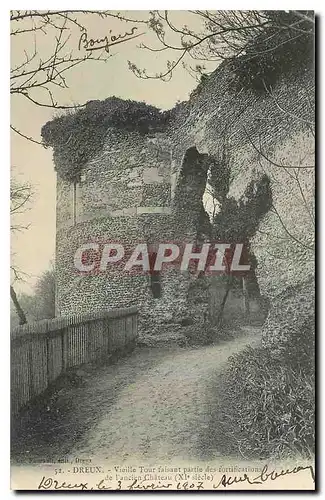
288, 232
223, 35
20, 196
311, 215
269, 91
304, 17
272, 162
43, 72
51, 13
25, 136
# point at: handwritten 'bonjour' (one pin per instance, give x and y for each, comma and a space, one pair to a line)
90, 44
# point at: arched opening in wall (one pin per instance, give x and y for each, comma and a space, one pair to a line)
154, 277
237, 297
192, 180
218, 181
189, 192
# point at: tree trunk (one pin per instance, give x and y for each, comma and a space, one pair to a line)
246, 299
20, 312
224, 300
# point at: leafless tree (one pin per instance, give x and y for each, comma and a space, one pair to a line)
20, 198
224, 34
45, 293
41, 75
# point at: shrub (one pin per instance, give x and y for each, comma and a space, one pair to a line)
41, 304
279, 50
266, 408
288, 332
266, 395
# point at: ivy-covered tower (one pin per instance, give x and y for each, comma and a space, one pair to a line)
113, 184
116, 181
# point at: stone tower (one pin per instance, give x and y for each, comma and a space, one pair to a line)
123, 193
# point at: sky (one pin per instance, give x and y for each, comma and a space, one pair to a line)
33, 249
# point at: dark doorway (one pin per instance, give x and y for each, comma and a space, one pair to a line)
155, 278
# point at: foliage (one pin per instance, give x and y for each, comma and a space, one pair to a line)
77, 137
266, 408
238, 221
198, 89
219, 175
40, 305
20, 197
274, 53
289, 329
45, 293
268, 393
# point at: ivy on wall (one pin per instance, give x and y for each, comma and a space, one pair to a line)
239, 220
282, 49
285, 47
78, 136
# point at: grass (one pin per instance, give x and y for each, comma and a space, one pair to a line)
265, 408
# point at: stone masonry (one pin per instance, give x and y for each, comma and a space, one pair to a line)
142, 188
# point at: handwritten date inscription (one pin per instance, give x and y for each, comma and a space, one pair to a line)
48, 483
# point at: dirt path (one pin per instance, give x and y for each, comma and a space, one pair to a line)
153, 405
163, 413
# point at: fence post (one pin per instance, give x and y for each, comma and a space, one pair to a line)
89, 343
64, 349
30, 368
47, 360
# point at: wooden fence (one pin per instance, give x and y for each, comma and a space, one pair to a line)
44, 350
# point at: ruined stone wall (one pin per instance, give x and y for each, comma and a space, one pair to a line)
139, 188
270, 133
